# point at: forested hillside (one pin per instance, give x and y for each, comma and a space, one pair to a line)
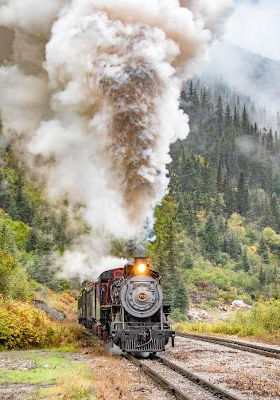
219, 226
29, 233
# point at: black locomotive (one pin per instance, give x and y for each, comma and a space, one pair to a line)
125, 305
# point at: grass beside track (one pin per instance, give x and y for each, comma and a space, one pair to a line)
54, 375
262, 323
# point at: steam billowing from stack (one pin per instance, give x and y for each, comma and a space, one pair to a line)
89, 101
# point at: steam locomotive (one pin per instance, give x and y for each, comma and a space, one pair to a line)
125, 305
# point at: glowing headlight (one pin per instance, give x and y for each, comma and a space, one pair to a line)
141, 268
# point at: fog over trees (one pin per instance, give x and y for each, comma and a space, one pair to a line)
225, 187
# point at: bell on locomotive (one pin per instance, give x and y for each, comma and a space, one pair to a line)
139, 316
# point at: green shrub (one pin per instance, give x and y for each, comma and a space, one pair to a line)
223, 278
14, 235
211, 303
14, 281
21, 287
8, 266
177, 315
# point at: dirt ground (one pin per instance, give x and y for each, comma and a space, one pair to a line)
116, 378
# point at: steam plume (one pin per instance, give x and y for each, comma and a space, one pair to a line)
89, 100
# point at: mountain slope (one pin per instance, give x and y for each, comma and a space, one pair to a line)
251, 74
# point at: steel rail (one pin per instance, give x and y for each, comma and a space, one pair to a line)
164, 383
216, 391
235, 344
210, 387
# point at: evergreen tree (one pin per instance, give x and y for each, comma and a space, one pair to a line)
255, 129
263, 137
204, 99
236, 121
219, 177
263, 250
269, 141
188, 262
228, 117
232, 245
242, 195
219, 113
195, 99
181, 300
276, 142
211, 236
275, 213
166, 255
245, 261
262, 277
7, 241
245, 121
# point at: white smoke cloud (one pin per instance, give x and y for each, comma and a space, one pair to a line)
31, 16
76, 263
23, 101
213, 13
91, 92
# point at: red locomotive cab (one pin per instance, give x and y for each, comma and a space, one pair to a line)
104, 284
118, 273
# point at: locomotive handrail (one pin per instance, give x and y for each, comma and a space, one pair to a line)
139, 325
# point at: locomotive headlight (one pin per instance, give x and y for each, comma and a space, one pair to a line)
141, 268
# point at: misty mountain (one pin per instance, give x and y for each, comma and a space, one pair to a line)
251, 74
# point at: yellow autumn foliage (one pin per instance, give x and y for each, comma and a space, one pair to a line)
236, 224
22, 326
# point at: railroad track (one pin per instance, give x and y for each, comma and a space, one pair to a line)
200, 388
235, 344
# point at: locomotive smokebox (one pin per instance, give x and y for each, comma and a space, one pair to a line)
141, 296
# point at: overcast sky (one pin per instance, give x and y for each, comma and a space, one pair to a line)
255, 26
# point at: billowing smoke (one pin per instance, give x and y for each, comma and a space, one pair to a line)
89, 102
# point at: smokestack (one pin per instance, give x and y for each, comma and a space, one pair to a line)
90, 102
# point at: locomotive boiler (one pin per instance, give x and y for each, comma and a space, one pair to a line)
125, 305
